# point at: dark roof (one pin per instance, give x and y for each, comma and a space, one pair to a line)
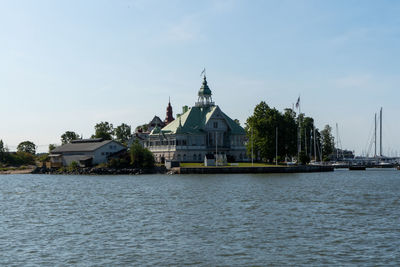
81, 146
93, 140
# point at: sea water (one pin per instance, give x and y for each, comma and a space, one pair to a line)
336, 218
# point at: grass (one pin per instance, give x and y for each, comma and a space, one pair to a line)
192, 164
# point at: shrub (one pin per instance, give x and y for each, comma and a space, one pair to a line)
73, 166
141, 157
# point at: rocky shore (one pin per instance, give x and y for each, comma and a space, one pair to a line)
98, 171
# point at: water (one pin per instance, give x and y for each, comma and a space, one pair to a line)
339, 218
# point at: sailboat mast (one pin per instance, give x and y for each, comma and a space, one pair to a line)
375, 137
315, 148
337, 142
380, 135
276, 147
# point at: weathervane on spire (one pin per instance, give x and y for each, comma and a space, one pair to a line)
203, 72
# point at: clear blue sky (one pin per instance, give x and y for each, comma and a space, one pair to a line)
67, 65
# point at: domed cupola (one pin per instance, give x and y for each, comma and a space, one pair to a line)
204, 94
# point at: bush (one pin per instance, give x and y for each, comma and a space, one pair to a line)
73, 166
18, 158
304, 158
141, 157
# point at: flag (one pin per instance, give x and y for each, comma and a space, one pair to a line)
298, 102
203, 72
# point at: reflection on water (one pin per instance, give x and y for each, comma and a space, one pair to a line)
334, 218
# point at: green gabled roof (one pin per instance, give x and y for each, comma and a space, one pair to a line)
196, 118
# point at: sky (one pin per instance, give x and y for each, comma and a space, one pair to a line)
67, 65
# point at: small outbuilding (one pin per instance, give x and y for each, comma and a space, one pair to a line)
85, 152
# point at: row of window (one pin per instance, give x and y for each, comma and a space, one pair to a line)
194, 157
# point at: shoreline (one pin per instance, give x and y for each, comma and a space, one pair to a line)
177, 170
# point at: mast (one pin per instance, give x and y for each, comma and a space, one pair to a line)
276, 147
337, 141
375, 137
310, 153
315, 148
305, 141
380, 135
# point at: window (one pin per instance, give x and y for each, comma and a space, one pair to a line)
215, 124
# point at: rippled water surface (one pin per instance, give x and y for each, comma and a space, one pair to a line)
338, 218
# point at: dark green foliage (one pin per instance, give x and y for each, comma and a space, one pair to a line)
68, 136
261, 132
104, 130
51, 147
27, 146
328, 142
123, 133
73, 166
18, 158
143, 127
2, 151
123, 161
304, 158
141, 157
43, 157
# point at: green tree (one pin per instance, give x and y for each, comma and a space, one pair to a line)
262, 128
51, 147
141, 157
287, 134
104, 130
68, 136
144, 128
2, 151
123, 133
27, 146
237, 121
327, 142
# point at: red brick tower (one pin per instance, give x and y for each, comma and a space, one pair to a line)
169, 116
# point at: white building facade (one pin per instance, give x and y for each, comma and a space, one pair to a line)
202, 129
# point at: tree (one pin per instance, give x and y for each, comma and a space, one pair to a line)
141, 157
237, 121
287, 134
144, 128
2, 151
123, 133
68, 136
51, 147
27, 146
104, 130
261, 130
327, 142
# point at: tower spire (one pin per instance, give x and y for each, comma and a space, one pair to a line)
204, 94
169, 117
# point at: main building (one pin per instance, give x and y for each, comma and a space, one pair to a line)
200, 131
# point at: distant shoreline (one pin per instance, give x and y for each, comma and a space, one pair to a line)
178, 170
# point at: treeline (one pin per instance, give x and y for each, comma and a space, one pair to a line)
272, 132
104, 130
25, 154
